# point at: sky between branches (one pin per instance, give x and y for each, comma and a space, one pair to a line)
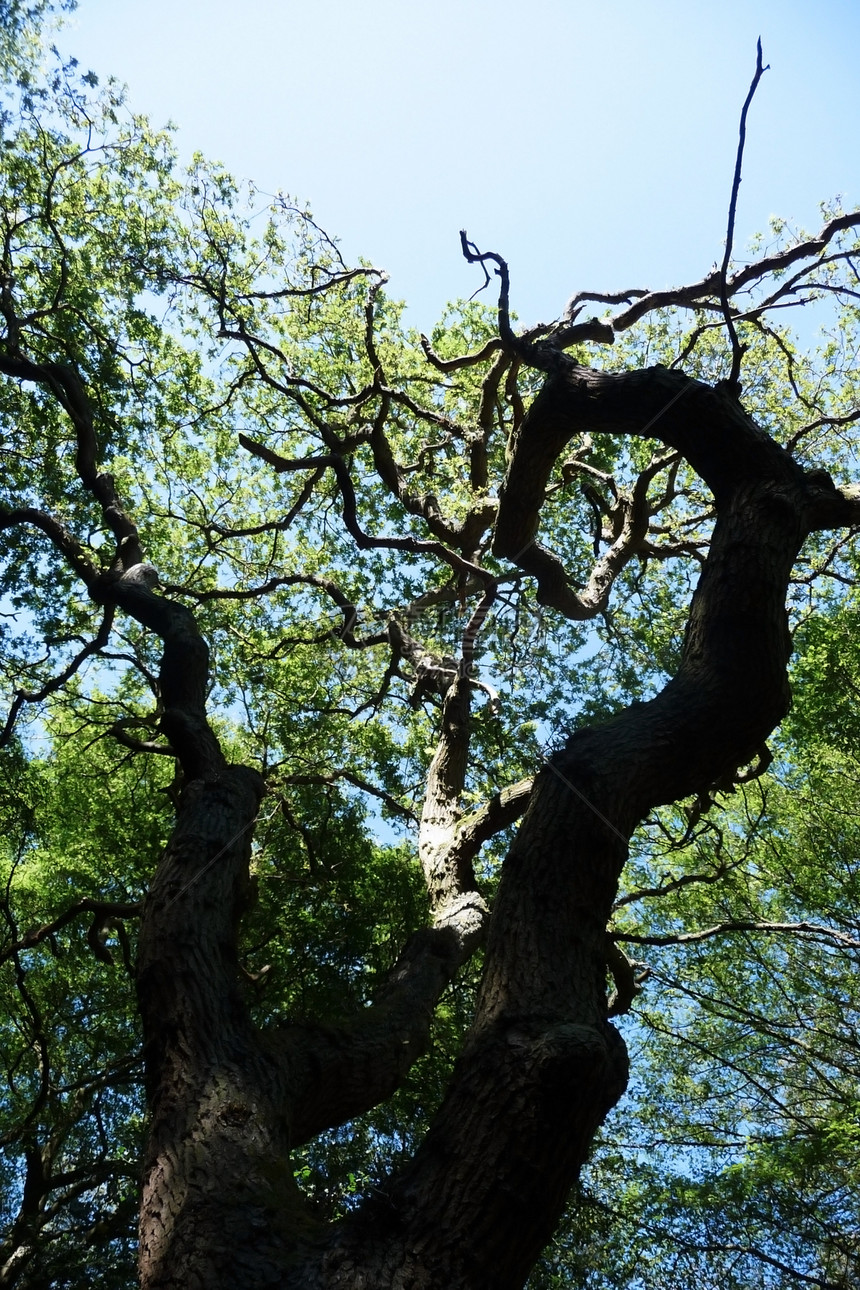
591, 145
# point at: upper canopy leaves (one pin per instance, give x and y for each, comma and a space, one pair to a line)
208, 410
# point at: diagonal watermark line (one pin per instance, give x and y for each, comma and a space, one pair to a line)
209, 863
585, 800
666, 407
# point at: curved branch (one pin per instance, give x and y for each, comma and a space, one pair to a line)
55, 683
707, 426
706, 293
339, 1072
515, 534
349, 611
396, 807
118, 731
525, 345
463, 360
102, 910
341, 279
500, 812
541, 1018
363, 540
464, 534
73, 551
67, 387
473, 256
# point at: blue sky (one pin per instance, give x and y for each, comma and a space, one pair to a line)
592, 146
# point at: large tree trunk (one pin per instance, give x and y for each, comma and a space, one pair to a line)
542, 1065
217, 1133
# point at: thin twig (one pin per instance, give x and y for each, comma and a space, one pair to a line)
737, 348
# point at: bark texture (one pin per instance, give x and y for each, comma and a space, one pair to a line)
542, 1065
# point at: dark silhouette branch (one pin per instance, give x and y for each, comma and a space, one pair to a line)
55, 683
363, 540
332, 777
805, 930
737, 349
706, 293
463, 360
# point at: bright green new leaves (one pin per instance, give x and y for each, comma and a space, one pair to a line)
72, 1104
239, 371
736, 1163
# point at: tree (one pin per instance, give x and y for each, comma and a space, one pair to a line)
268, 556
21, 22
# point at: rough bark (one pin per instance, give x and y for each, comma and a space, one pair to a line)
220, 1206
542, 1065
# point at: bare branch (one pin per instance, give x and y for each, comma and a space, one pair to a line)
362, 539
808, 931
678, 884
706, 294
317, 289
848, 419
464, 360
628, 980
119, 731
56, 682
600, 297
331, 777
68, 388
77, 556
501, 811
102, 909
737, 350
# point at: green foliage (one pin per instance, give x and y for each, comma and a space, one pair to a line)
196, 312
70, 1049
21, 26
733, 1161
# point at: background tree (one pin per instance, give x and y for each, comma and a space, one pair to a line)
296, 599
21, 23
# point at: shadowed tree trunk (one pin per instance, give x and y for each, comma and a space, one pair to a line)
319, 365
542, 1065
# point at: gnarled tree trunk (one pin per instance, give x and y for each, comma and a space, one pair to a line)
542, 1065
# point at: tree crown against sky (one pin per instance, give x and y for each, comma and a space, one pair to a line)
616, 128
275, 568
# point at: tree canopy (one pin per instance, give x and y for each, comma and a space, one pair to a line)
392, 746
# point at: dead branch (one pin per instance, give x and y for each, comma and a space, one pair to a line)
733, 383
